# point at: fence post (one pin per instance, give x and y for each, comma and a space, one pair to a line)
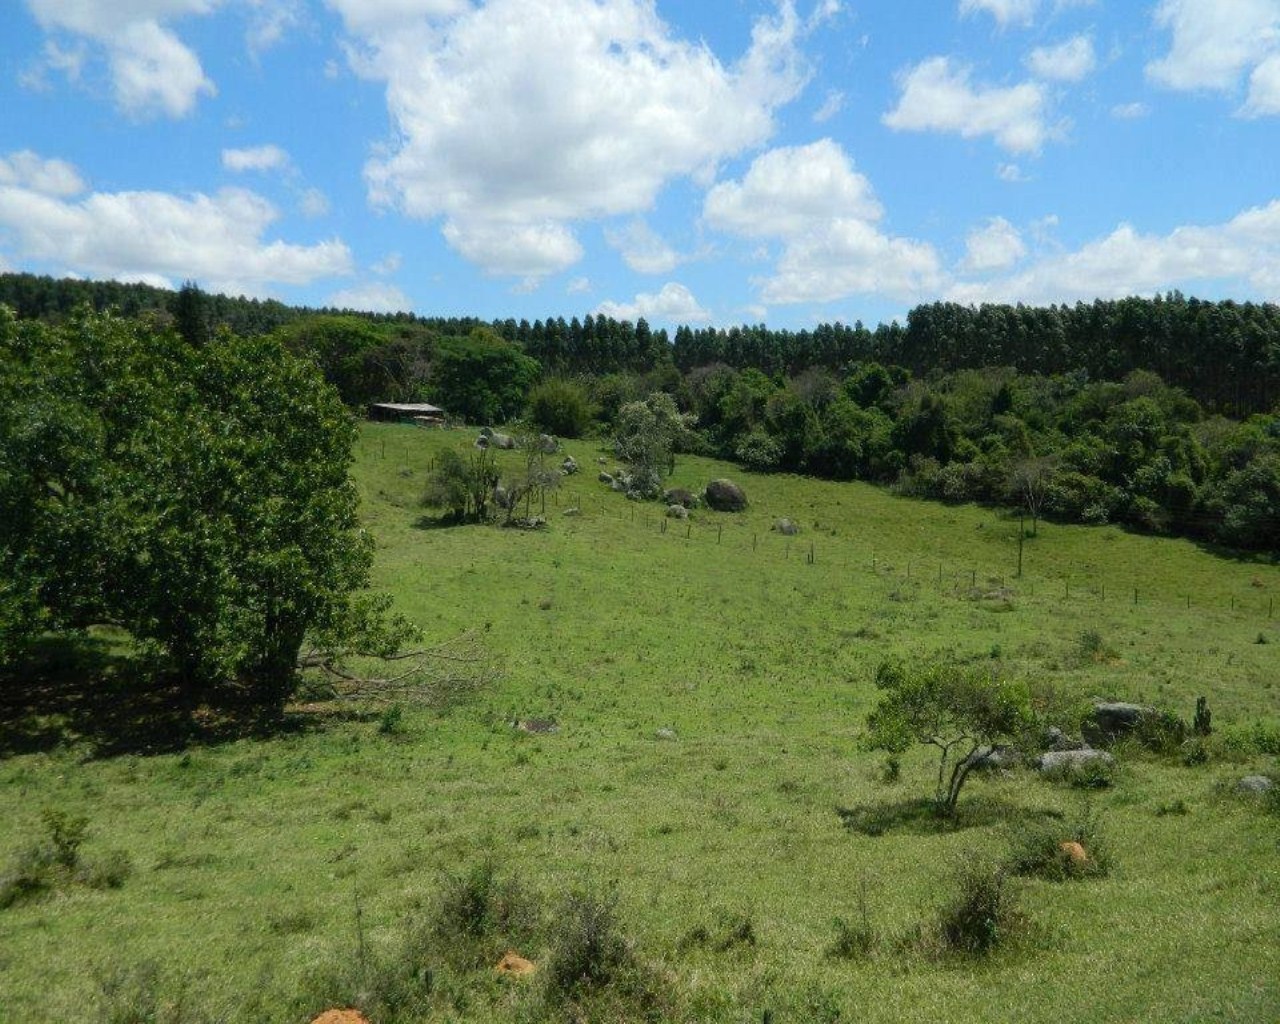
688, 531
753, 542
719, 532
811, 552
973, 578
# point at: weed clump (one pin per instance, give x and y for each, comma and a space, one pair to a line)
1056, 851
983, 914
54, 862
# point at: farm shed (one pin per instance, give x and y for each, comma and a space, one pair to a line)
405, 412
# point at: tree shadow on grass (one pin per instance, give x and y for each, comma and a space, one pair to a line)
921, 817
448, 521
83, 690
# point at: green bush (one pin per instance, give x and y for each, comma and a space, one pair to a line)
587, 950
1038, 848
560, 407
141, 995
983, 913
480, 915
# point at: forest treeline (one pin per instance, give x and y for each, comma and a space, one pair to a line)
1160, 414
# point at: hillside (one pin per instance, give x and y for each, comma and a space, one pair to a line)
260, 863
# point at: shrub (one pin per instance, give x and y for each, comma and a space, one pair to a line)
560, 407
1044, 849
854, 939
587, 950
983, 914
138, 995
1202, 724
480, 915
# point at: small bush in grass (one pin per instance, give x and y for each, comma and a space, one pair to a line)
587, 949
481, 914
854, 939
54, 862
983, 914
1058, 851
1096, 773
109, 871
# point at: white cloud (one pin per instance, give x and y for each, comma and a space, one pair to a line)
1011, 173
389, 264
825, 213
1264, 89
255, 158
996, 245
156, 236
642, 248
1006, 12
1242, 253
271, 20
674, 304
1130, 111
374, 297
938, 96
790, 190
518, 118
152, 70
1069, 61
831, 106
1215, 42
578, 286
313, 203
25, 169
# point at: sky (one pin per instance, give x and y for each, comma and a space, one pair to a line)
709, 163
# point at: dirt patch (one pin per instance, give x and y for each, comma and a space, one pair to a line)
341, 1017
1075, 852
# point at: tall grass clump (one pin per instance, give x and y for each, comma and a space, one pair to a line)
983, 913
54, 861
1058, 851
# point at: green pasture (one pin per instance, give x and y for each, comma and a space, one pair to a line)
259, 862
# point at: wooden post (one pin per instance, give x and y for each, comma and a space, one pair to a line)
753, 541
939, 574
664, 526
973, 578
1021, 534
811, 552
719, 532
688, 530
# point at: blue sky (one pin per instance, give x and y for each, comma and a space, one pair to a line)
717, 162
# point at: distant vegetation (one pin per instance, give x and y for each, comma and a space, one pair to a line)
1158, 414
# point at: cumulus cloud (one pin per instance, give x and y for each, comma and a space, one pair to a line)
161, 237
373, 297
518, 118
313, 203
1069, 61
642, 248
24, 169
1011, 173
674, 304
996, 245
152, 71
825, 214
937, 95
1006, 12
255, 158
1214, 44
832, 105
1241, 253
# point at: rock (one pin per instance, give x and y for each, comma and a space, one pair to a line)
1109, 722
1066, 760
605, 478
677, 512
996, 759
1055, 739
786, 527
575, 511
505, 442
548, 444
537, 726
725, 496
619, 484
665, 734
601, 461
679, 496
482, 442
569, 466
1255, 785
515, 965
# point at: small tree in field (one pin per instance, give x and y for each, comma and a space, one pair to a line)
963, 712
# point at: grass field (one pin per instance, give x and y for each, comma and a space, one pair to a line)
259, 864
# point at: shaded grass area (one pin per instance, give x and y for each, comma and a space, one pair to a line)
251, 854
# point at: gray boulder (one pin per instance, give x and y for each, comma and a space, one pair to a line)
665, 734
1055, 739
504, 442
677, 512
548, 444
995, 759
679, 496
569, 466
1111, 721
786, 527
1068, 760
605, 478
725, 496
1255, 785
575, 511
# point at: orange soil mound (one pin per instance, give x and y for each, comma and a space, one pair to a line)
515, 964
341, 1017
1076, 852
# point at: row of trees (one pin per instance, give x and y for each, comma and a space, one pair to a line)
196, 495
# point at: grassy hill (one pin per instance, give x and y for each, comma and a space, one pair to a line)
710, 683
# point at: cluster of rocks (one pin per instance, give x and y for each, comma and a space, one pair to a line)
490, 438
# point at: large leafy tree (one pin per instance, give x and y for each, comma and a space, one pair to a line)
482, 378
197, 496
